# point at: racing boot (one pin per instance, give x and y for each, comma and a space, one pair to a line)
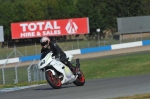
75, 70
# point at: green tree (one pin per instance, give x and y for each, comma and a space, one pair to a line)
6, 14
145, 7
101, 13
129, 8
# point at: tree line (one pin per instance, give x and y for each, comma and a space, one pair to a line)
102, 13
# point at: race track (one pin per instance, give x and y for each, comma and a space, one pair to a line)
93, 89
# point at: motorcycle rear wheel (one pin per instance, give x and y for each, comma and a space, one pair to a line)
80, 80
53, 80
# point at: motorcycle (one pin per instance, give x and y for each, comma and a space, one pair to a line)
58, 74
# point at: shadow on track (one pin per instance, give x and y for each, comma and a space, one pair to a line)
55, 89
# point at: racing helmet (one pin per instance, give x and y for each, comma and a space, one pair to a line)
44, 42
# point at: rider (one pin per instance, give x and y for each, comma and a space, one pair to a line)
48, 45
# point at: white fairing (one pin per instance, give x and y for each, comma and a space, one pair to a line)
45, 61
48, 60
70, 57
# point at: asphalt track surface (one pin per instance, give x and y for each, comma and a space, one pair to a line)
93, 89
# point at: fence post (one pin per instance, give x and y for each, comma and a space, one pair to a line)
88, 44
3, 73
78, 43
41, 77
72, 46
15, 51
25, 50
35, 48
34, 73
16, 72
37, 70
29, 71
44, 74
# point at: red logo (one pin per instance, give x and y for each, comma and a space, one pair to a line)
71, 27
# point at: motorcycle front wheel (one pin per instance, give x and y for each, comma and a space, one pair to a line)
53, 80
80, 80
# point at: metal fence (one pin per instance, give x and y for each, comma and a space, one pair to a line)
29, 73
18, 51
20, 74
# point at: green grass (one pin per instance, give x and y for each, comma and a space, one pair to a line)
10, 75
136, 64
96, 68
21, 84
137, 96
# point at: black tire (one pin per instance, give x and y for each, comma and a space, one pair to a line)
80, 80
53, 80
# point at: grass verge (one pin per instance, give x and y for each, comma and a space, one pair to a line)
116, 65
138, 96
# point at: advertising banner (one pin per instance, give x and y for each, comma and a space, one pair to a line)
50, 28
1, 34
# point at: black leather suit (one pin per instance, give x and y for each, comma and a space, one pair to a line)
57, 51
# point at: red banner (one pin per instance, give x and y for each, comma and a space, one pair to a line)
49, 28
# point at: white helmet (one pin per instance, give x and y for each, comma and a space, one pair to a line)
44, 42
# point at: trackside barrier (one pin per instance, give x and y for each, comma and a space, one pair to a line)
146, 42
115, 46
29, 58
37, 74
33, 74
126, 45
95, 49
83, 51
29, 70
11, 60
16, 72
42, 75
37, 57
3, 73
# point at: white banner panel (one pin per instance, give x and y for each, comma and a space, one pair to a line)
11, 60
126, 45
1, 34
73, 52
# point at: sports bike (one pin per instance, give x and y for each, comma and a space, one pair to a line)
57, 73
